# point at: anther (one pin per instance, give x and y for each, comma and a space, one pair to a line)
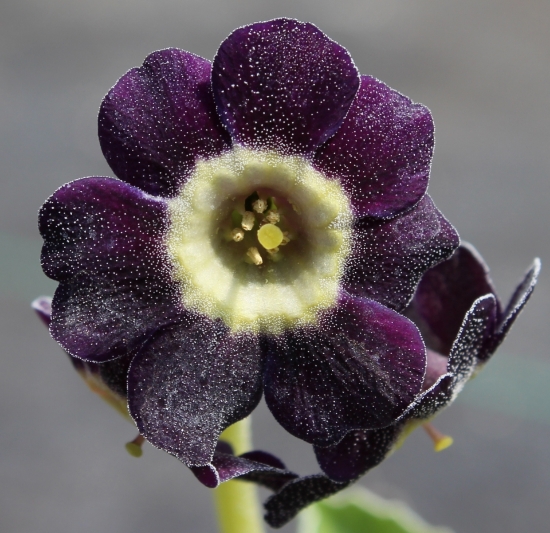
254, 255
441, 442
248, 220
237, 234
286, 239
259, 205
134, 447
273, 217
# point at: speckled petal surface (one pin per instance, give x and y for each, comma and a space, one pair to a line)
446, 293
103, 241
283, 84
389, 257
190, 382
357, 453
476, 327
158, 119
382, 152
43, 308
115, 373
256, 466
358, 369
282, 507
112, 373
273, 478
514, 307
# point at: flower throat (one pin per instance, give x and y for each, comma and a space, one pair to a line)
259, 240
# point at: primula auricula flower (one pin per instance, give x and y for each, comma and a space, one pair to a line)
268, 226
462, 322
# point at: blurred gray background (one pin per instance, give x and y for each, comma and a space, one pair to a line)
483, 68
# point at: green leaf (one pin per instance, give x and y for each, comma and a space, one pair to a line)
361, 511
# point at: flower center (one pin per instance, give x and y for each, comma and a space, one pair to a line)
259, 240
260, 223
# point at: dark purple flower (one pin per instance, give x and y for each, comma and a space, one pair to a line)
268, 226
462, 322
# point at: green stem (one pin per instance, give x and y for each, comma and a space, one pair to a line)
236, 501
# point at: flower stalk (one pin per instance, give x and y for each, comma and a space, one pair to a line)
236, 502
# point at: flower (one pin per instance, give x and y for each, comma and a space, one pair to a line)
463, 323
268, 226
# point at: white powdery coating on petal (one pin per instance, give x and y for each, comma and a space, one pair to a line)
279, 294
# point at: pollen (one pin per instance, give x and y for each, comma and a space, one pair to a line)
237, 234
260, 205
270, 236
248, 220
273, 217
253, 254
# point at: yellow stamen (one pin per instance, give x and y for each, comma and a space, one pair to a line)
237, 234
270, 236
254, 255
134, 447
441, 442
273, 217
248, 220
259, 205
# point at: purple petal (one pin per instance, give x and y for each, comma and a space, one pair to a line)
158, 119
515, 305
382, 152
103, 240
431, 401
253, 466
190, 382
358, 369
357, 453
436, 366
477, 325
207, 475
274, 478
283, 85
360, 451
294, 496
43, 307
389, 257
113, 373
446, 293
474, 331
